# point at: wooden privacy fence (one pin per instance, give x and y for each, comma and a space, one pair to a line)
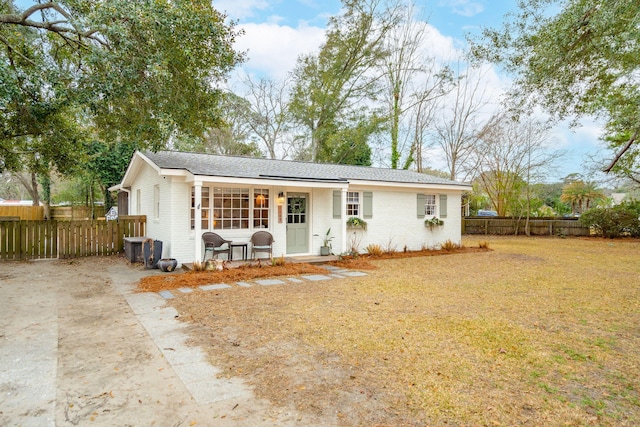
73, 213
36, 213
25, 213
537, 226
21, 240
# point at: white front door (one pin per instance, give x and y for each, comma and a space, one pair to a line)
297, 220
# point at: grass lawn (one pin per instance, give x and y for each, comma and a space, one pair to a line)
537, 331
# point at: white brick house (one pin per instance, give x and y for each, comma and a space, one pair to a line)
186, 194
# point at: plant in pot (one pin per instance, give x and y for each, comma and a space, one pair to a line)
355, 222
433, 222
325, 249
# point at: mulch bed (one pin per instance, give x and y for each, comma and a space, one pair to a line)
193, 279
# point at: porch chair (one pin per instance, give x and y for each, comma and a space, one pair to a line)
261, 241
216, 245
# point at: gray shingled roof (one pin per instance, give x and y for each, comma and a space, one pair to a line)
248, 167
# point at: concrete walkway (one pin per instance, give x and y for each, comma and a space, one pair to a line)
28, 349
78, 346
332, 273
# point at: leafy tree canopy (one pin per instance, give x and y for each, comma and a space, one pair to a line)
332, 86
80, 70
583, 60
581, 195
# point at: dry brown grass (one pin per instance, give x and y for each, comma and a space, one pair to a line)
538, 331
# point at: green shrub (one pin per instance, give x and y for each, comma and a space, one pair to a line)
620, 220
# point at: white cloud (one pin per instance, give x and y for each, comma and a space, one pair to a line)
443, 48
273, 49
240, 9
466, 8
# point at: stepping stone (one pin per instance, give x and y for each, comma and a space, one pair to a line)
185, 290
337, 276
267, 282
166, 294
354, 273
214, 287
295, 280
317, 277
331, 267
244, 284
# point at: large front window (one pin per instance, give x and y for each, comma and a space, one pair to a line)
232, 208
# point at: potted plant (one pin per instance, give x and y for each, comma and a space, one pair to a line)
355, 222
433, 222
325, 249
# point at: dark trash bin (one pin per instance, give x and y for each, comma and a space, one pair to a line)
152, 252
133, 248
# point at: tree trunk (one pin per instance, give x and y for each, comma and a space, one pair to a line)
45, 181
31, 186
395, 124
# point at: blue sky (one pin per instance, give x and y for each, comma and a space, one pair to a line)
278, 31
452, 17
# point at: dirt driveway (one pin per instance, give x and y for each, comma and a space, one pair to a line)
79, 347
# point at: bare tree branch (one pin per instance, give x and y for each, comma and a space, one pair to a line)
16, 51
621, 152
63, 28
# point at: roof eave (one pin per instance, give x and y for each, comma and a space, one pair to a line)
425, 185
282, 182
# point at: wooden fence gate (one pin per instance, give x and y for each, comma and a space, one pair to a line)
20, 240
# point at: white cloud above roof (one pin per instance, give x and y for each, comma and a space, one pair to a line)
273, 49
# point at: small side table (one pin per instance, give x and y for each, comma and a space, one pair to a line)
243, 245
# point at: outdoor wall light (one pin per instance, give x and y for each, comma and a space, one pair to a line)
280, 198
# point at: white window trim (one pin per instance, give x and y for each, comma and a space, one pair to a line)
252, 192
156, 202
359, 204
434, 204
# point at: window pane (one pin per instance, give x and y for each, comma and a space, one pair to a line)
230, 208
430, 204
353, 203
260, 208
204, 205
